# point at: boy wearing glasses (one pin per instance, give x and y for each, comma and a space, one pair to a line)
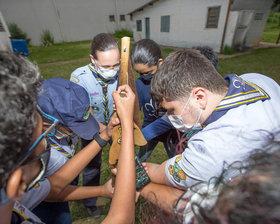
24, 152
67, 103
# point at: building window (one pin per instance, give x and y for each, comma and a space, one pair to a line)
213, 17
139, 25
122, 17
111, 18
259, 16
165, 24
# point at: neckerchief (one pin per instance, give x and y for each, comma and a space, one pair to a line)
240, 92
104, 84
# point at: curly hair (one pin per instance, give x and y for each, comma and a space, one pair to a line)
252, 197
19, 79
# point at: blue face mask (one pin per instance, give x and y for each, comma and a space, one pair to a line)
146, 78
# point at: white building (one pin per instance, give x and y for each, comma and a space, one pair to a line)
5, 43
68, 20
216, 23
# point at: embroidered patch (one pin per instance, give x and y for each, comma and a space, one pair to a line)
86, 115
74, 79
176, 171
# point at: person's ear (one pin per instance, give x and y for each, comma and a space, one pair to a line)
91, 59
16, 184
160, 62
200, 95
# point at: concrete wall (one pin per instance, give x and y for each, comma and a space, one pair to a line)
187, 23
71, 20
251, 4
5, 42
231, 28
255, 31
257, 23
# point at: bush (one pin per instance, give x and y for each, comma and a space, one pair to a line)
123, 32
47, 38
17, 33
228, 50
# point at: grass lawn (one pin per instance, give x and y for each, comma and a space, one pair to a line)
264, 61
69, 56
272, 28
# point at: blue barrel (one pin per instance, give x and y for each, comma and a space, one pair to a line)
20, 47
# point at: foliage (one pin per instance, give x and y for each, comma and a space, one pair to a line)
272, 28
122, 33
17, 33
276, 5
47, 38
228, 50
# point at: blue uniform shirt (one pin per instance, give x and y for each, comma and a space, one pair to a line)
145, 101
84, 77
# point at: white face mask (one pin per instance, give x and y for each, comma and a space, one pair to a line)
178, 123
106, 73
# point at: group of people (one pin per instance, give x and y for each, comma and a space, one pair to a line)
230, 126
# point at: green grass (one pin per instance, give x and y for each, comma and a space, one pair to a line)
272, 28
59, 52
228, 50
265, 61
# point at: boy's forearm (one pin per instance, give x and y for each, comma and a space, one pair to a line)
124, 194
65, 175
72, 193
165, 197
157, 174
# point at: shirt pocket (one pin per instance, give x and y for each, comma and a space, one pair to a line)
96, 102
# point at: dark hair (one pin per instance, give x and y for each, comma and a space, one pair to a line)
209, 54
146, 52
19, 79
182, 71
103, 42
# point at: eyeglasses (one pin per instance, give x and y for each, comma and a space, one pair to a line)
44, 159
51, 130
44, 156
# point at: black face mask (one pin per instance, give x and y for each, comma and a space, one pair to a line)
146, 78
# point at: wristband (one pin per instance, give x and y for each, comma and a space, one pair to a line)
99, 140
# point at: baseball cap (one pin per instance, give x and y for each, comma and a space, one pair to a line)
69, 103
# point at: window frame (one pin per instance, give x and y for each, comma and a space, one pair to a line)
165, 24
112, 18
210, 24
139, 21
122, 18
